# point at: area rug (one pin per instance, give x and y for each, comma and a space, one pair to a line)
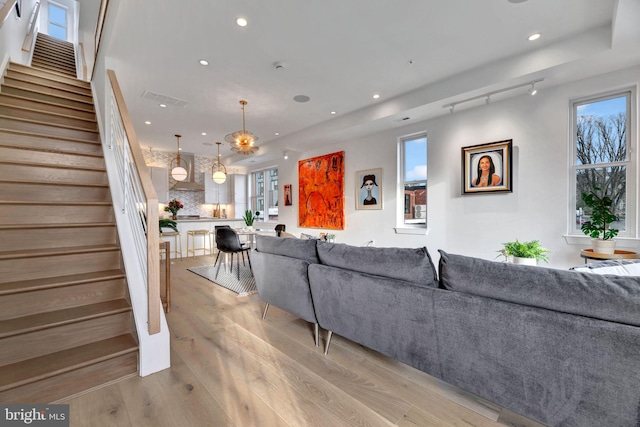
243, 287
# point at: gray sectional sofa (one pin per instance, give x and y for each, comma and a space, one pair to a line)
560, 347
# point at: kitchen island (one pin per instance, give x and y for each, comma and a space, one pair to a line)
189, 223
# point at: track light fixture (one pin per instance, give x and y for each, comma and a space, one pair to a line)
487, 96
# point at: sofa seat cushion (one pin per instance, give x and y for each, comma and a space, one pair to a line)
294, 248
408, 264
606, 297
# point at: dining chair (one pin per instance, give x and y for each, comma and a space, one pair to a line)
216, 228
280, 228
229, 243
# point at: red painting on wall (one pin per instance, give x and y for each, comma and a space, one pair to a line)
321, 191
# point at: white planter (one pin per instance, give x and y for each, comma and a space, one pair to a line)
524, 261
603, 246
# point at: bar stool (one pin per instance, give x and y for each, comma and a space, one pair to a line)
177, 242
191, 238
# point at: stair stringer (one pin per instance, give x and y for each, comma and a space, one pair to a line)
154, 350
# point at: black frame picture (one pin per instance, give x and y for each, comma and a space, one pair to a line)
486, 168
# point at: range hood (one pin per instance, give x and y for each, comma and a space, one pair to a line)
188, 184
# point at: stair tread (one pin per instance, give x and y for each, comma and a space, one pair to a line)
44, 135
35, 322
87, 102
51, 113
53, 203
42, 367
52, 124
59, 281
58, 184
56, 166
37, 73
40, 101
33, 253
50, 150
80, 95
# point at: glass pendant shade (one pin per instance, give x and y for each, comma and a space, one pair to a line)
179, 173
218, 170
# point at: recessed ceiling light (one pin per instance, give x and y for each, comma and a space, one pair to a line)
163, 105
147, 122
376, 96
204, 62
204, 134
277, 134
534, 36
517, 1
207, 143
241, 22
333, 113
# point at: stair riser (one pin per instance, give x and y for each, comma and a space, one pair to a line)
74, 382
47, 108
19, 155
34, 192
48, 75
28, 303
19, 113
47, 90
41, 173
34, 344
57, 214
44, 129
66, 61
46, 97
53, 67
15, 270
49, 144
47, 82
51, 238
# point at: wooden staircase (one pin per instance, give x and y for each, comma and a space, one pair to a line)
50, 53
66, 324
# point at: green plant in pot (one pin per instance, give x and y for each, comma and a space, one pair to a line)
599, 225
524, 252
167, 223
249, 217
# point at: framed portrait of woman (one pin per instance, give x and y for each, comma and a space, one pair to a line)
486, 168
369, 189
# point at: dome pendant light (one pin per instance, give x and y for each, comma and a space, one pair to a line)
218, 171
178, 172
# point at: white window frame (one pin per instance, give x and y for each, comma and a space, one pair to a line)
574, 233
401, 227
253, 197
56, 24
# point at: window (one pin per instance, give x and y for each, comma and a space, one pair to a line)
412, 167
603, 158
57, 21
264, 193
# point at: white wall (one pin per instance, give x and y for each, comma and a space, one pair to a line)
475, 224
12, 35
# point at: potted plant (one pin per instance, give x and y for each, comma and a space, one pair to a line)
599, 225
167, 223
529, 253
249, 217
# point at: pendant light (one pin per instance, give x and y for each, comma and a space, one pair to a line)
242, 141
178, 172
218, 171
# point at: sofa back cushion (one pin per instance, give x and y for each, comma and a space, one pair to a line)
408, 264
613, 298
294, 248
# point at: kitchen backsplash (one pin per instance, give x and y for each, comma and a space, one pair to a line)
193, 201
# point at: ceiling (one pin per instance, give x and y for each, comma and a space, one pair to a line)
418, 55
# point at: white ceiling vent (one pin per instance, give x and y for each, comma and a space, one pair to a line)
163, 99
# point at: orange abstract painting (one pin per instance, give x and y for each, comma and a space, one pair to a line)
321, 191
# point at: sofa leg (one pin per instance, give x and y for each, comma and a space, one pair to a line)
326, 347
317, 331
266, 307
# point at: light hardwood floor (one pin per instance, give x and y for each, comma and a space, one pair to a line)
231, 368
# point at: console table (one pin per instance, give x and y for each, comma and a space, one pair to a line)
588, 254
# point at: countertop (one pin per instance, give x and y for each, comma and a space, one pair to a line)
207, 219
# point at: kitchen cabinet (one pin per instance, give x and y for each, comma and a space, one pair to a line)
215, 193
160, 180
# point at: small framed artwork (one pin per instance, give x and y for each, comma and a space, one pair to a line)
486, 168
287, 195
369, 189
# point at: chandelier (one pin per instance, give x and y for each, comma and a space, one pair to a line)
218, 171
178, 172
242, 141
